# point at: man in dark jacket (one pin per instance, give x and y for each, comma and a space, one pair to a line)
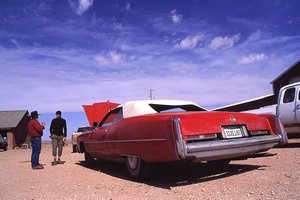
35, 131
58, 130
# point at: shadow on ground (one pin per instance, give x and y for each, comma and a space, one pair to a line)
179, 173
291, 145
294, 136
293, 142
25, 161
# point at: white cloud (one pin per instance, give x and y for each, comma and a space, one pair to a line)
128, 6
14, 41
255, 36
189, 42
224, 42
202, 81
117, 26
176, 18
81, 6
251, 58
111, 58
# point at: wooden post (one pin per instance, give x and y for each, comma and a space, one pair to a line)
11, 141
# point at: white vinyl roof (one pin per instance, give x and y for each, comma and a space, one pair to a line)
137, 108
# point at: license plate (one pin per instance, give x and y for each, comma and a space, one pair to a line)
232, 133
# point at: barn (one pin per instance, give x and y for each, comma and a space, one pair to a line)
13, 126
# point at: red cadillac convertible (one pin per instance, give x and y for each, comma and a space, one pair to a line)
155, 131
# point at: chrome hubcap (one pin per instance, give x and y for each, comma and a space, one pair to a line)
133, 162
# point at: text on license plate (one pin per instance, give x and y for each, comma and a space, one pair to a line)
233, 133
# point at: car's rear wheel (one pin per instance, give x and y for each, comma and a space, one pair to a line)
5, 148
89, 159
138, 168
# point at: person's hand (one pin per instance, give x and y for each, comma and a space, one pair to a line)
64, 139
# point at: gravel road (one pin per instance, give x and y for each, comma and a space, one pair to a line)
271, 175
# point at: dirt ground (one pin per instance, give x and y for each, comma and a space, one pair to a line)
271, 175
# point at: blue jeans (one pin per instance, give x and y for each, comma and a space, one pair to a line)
36, 144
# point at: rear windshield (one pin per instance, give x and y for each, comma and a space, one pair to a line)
175, 108
83, 129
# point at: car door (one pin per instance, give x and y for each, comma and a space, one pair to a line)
112, 132
103, 136
98, 142
287, 108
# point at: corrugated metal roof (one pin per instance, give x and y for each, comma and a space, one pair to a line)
11, 119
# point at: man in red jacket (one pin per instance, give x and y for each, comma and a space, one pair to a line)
35, 130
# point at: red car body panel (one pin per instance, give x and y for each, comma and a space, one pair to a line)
155, 143
210, 122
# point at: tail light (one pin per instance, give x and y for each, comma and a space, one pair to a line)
201, 137
255, 133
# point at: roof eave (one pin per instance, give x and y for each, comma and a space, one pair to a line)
278, 77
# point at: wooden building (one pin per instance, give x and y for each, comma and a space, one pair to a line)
13, 126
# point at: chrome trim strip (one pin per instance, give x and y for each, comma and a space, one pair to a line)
181, 147
245, 131
123, 141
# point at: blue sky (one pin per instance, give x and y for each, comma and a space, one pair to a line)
60, 54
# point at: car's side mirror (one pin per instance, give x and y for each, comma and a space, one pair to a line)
95, 124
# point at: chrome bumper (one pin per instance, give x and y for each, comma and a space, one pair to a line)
281, 131
224, 149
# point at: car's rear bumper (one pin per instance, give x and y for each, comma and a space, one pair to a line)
224, 149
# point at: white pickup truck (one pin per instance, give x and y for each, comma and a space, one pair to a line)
79, 131
288, 108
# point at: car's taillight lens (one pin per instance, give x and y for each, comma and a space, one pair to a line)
259, 133
202, 137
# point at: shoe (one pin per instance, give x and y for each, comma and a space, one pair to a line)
54, 163
38, 167
60, 162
